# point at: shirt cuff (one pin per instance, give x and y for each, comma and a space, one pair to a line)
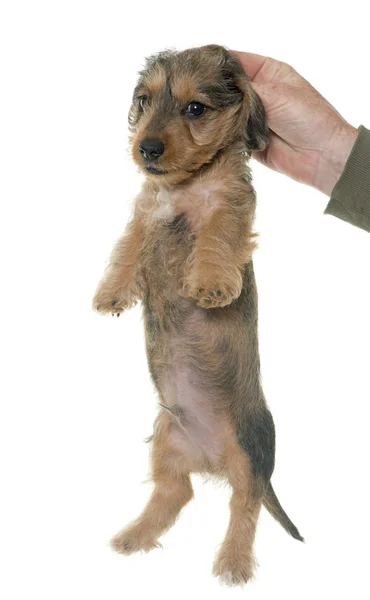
350, 198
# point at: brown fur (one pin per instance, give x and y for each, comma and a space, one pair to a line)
187, 254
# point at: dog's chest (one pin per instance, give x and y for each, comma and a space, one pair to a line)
197, 202
177, 219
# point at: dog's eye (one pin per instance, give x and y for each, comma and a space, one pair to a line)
195, 109
143, 101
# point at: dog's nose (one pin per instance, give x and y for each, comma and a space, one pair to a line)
151, 149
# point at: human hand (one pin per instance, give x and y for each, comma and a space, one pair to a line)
309, 140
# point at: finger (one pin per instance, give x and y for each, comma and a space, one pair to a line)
268, 95
251, 63
263, 69
279, 102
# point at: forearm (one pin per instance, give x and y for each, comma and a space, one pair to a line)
125, 259
215, 268
333, 157
227, 238
123, 284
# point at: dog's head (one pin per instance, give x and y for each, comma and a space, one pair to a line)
187, 107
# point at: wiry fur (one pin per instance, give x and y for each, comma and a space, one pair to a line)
187, 255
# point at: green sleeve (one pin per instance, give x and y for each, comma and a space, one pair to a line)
350, 198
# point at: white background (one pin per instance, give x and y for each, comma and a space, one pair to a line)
76, 399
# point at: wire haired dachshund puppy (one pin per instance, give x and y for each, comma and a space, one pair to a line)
187, 255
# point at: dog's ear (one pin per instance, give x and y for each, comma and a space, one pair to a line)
235, 88
226, 91
256, 131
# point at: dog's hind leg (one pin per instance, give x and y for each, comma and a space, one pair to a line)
234, 562
249, 465
172, 490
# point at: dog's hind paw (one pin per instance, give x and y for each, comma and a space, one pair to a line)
232, 570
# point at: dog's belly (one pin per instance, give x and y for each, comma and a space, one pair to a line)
203, 365
187, 388
198, 428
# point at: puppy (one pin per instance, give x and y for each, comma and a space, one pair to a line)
187, 255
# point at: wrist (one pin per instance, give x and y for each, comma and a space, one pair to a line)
334, 158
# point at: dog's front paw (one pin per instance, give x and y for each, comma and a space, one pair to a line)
136, 538
110, 299
213, 289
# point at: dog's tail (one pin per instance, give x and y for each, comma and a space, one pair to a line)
275, 509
